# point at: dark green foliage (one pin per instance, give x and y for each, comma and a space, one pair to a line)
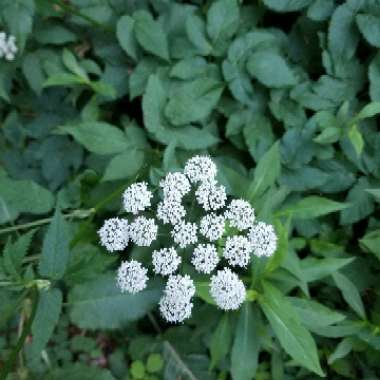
284, 94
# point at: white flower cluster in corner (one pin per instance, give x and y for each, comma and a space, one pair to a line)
211, 232
8, 47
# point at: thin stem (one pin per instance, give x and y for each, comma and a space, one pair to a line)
8, 366
71, 9
80, 214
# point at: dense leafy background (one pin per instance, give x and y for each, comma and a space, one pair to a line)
283, 93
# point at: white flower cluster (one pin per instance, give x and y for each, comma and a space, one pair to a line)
224, 233
8, 48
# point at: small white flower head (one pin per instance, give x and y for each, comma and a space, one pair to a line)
240, 214
175, 186
205, 258
8, 48
165, 261
114, 234
181, 287
200, 168
143, 231
170, 211
137, 198
212, 226
132, 277
185, 234
211, 196
263, 239
238, 250
175, 310
227, 289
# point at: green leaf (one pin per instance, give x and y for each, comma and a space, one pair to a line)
314, 269
126, 37
97, 137
221, 341
203, 94
374, 78
293, 336
222, 19
17, 197
370, 110
246, 346
32, 70
80, 371
341, 350
315, 315
124, 165
271, 69
203, 292
47, 316
350, 293
356, 138
369, 26
196, 32
99, 304
313, 207
371, 241
55, 248
375, 193
287, 5
150, 35
266, 172
64, 79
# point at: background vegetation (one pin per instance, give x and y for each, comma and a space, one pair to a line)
282, 93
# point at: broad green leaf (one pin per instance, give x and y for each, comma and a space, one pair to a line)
126, 37
375, 193
33, 72
343, 36
150, 35
64, 79
341, 350
314, 269
203, 292
246, 346
221, 340
369, 26
320, 10
350, 293
313, 207
222, 19
54, 34
47, 316
315, 315
15, 252
97, 137
266, 172
55, 248
203, 94
271, 69
196, 32
287, 5
370, 110
371, 241
293, 336
25, 196
99, 304
124, 165
356, 138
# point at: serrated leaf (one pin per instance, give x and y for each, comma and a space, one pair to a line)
350, 293
47, 316
271, 69
124, 165
55, 248
99, 304
150, 35
203, 94
97, 137
313, 207
293, 336
246, 346
126, 37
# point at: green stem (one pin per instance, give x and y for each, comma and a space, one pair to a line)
70, 9
80, 214
8, 366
